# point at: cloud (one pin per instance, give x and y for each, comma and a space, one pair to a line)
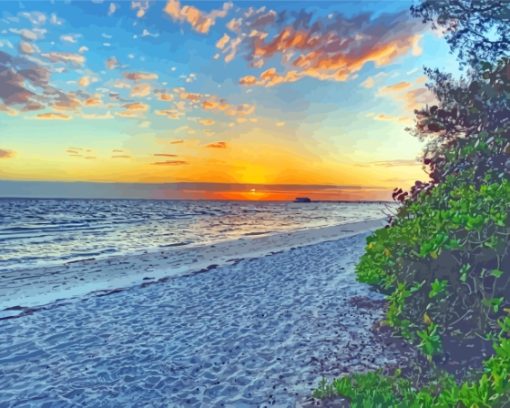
94, 116
112, 8
55, 20
371, 81
399, 86
368, 83
24, 83
177, 141
6, 154
271, 77
28, 48
164, 155
147, 33
141, 7
112, 63
141, 90
9, 111
53, 116
222, 42
133, 110
170, 113
65, 101
136, 106
171, 163
29, 35
140, 76
94, 100
412, 99
390, 118
83, 49
395, 163
216, 104
213, 103
217, 145
66, 57
121, 84
198, 20
334, 48
164, 96
121, 156
84, 81
35, 17
206, 122
189, 78
70, 38
193, 97
80, 152
280, 124
418, 98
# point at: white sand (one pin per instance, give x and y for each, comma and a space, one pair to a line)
252, 333
39, 286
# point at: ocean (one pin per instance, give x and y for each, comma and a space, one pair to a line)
43, 232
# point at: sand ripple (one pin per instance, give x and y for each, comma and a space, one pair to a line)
257, 333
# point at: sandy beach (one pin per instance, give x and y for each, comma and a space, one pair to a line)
250, 323
38, 286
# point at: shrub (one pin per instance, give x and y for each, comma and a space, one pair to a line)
445, 263
374, 389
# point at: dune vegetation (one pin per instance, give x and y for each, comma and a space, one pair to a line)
444, 258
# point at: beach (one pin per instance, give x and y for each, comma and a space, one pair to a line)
245, 323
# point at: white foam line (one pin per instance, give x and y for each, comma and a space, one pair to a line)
40, 286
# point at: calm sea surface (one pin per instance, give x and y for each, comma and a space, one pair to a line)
40, 232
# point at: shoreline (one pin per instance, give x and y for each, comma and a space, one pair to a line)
39, 286
254, 332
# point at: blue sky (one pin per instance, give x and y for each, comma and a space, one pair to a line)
242, 92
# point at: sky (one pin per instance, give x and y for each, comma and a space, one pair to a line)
212, 100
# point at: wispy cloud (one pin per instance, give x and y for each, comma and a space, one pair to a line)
206, 122
70, 38
53, 116
6, 154
333, 48
198, 20
399, 86
140, 76
170, 113
141, 90
81, 153
136, 106
28, 48
395, 163
217, 145
171, 163
65, 57
112, 63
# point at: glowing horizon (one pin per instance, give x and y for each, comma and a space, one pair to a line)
232, 93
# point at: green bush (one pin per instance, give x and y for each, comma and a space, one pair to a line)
444, 259
445, 264
375, 390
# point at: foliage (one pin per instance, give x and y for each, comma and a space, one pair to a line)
469, 129
374, 389
477, 30
444, 259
